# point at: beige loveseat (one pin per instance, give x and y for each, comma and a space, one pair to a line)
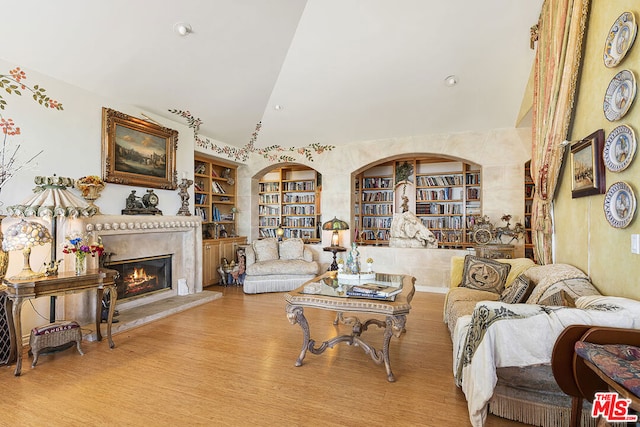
530, 292
273, 266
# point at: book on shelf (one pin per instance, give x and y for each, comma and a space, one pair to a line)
217, 188
375, 289
200, 168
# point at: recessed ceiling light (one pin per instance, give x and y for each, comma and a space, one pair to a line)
278, 107
182, 28
451, 80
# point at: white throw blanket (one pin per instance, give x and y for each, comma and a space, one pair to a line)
484, 342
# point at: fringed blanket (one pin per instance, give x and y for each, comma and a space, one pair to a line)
483, 342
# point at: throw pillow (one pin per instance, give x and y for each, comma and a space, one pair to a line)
560, 298
484, 274
292, 249
266, 249
518, 291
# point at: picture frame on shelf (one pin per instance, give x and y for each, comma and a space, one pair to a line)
136, 152
587, 166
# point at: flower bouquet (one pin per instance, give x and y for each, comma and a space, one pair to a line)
80, 246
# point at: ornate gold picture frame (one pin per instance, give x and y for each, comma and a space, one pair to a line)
587, 166
136, 152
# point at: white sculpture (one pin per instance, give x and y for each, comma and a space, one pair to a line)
407, 231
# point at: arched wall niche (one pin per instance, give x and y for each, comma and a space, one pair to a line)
287, 200
444, 191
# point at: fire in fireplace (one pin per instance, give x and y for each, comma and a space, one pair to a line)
142, 276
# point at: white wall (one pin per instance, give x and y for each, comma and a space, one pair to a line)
71, 140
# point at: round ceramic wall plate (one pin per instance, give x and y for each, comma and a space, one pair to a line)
619, 204
619, 148
620, 95
620, 39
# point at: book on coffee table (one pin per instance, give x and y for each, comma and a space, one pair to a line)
373, 289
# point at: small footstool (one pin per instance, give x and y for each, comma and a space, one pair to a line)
54, 335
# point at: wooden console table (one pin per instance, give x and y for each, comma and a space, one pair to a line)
63, 283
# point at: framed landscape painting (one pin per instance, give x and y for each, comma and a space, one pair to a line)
136, 152
587, 166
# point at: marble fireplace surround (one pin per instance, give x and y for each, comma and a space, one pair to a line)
137, 236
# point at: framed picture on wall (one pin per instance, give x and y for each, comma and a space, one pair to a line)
587, 166
136, 152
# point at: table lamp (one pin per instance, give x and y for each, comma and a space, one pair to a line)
279, 232
52, 199
22, 236
335, 225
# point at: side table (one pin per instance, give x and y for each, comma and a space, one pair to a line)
334, 250
63, 283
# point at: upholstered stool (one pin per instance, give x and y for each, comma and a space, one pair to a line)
54, 335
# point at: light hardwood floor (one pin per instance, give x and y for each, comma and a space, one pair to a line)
231, 362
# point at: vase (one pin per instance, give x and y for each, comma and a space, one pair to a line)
91, 192
80, 265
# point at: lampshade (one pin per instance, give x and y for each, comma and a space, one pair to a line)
22, 236
335, 225
52, 199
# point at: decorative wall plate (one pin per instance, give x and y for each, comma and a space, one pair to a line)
619, 204
620, 95
619, 148
620, 39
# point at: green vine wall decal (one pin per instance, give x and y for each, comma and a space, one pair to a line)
273, 153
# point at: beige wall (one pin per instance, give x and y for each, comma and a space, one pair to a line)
501, 153
584, 238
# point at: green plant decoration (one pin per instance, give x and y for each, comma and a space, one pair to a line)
274, 153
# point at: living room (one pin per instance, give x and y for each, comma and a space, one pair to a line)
71, 142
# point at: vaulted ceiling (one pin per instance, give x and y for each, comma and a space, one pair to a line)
341, 71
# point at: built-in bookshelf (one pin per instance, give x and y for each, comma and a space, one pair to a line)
446, 195
289, 197
214, 185
529, 189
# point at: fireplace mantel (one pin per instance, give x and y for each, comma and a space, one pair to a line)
138, 236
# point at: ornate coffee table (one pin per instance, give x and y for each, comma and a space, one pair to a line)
327, 293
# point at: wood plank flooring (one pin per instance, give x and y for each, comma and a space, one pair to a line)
230, 362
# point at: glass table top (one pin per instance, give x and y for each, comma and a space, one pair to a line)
334, 286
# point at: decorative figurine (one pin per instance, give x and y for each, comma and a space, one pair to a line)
184, 196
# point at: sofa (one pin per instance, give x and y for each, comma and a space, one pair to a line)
504, 317
273, 266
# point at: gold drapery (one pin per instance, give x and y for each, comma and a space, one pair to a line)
561, 30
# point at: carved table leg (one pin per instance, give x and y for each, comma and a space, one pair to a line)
113, 296
295, 315
17, 325
100, 294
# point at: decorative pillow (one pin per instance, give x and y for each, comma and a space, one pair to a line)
561, 298
266, 249
518, 291
292, 249
484, 274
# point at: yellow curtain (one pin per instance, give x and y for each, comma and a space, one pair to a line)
561, 29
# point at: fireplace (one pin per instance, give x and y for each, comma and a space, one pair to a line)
142, 276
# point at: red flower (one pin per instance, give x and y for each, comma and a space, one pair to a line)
18, 74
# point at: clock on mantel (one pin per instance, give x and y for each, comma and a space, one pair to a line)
145, 205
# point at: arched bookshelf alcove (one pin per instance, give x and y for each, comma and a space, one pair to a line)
289, 199
445, 193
